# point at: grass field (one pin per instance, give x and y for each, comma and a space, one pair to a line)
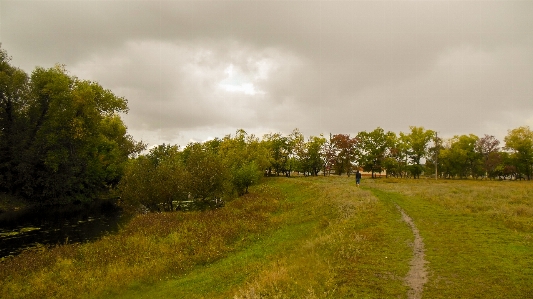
303, 238
478, 234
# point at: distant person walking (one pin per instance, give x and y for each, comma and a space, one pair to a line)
357, 178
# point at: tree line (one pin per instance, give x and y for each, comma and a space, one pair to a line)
62, 139
228, 166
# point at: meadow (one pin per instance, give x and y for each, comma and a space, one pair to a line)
303, 237
478, 234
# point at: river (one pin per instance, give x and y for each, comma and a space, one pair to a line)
20, 230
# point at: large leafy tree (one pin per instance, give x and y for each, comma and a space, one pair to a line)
155, 180
461, 158
62, 138
295, 150
245, 158
344, 147
520, 142
206, 172
14, 90
328, 154
374, 146
313, 160
417, 143
488, 148
395, 163
76, 142
279, 152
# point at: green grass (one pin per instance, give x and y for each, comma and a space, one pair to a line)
332, 240
481, 252
303, 238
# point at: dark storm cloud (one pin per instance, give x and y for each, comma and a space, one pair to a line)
191, 68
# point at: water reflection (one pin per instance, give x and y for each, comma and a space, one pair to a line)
20, 230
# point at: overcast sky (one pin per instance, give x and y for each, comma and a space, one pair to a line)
194, 70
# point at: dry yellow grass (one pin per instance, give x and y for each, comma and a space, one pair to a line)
151, 247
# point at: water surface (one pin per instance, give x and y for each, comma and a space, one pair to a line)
34, 227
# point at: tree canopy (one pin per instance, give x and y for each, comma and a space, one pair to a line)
62, 138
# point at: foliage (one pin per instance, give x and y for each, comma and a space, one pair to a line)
416, 143
374, 147
155, 180
206, 172
344, 153
520, 142
279, 149
460, 157
310, 156
62, 138
245, 158
202, 172
14, 89
246, 176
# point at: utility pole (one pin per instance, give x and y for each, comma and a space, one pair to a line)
436, 153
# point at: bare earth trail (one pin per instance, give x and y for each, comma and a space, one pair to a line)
417, 275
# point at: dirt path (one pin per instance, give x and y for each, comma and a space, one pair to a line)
417, 276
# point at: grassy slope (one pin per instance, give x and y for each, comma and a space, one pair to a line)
332, 241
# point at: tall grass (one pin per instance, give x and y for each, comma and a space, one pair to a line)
150, 248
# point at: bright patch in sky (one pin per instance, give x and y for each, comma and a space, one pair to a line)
236, 81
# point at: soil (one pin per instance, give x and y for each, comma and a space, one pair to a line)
417, 275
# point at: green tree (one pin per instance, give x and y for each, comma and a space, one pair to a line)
137, 185
206, 172
417, 142
461, 158
74, 144
156, 180
329, 155
279, 152
169, 178
245, 158
245, 176
296, 151
314, 161
395, 163
374, 147
13, 95
520, 142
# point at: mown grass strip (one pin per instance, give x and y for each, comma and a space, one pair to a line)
469, 255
